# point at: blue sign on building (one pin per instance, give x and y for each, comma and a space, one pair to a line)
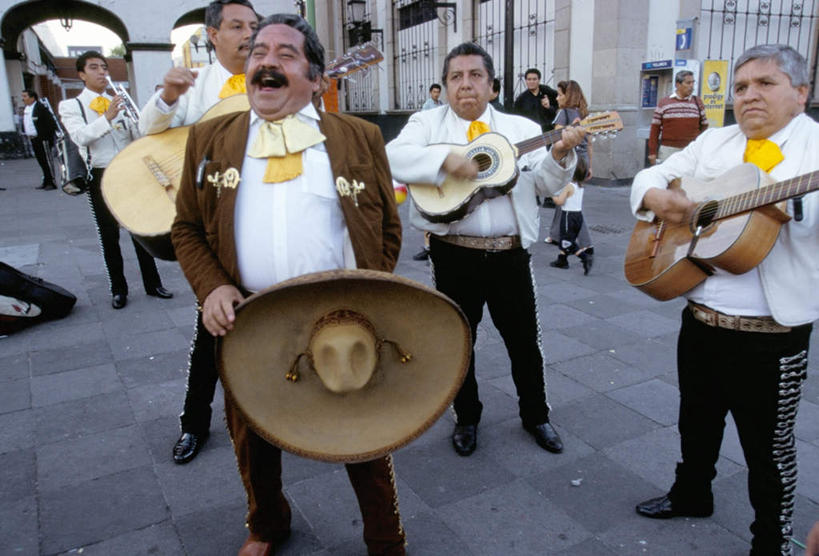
659, 64
684, 37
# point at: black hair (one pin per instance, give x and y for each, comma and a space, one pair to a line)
313, 49
496, 85
213, 13
469, 49
434, 86
31, 93
533, 70
87, 55
581, 170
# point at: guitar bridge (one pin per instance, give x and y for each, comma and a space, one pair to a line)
159, 175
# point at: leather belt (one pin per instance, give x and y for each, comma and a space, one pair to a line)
711, 317
503, 243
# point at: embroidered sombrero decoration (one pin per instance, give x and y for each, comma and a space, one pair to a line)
344, 365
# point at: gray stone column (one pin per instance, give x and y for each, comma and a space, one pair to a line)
619, 41
149, 63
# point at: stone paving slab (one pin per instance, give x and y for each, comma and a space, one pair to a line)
89, 412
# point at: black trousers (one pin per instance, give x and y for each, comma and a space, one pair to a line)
758, 378
570, 225
108, 233
40, 147
503, 281
202, 377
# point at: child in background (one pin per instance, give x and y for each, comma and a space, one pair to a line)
572, 105
570, 199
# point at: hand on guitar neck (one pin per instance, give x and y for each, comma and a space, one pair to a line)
570, 137
670, 205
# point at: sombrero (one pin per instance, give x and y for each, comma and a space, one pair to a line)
344, 365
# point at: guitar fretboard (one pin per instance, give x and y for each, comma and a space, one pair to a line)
767, 195
544, 140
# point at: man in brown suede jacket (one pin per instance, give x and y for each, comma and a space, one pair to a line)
274, 193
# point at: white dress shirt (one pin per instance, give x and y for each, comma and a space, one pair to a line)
28, 121
287, 229
784, 283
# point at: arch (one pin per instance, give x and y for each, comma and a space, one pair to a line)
26, 14
191, 18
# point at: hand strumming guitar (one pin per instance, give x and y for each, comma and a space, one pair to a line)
458, 166
670, 205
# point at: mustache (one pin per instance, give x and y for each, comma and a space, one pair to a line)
269, 77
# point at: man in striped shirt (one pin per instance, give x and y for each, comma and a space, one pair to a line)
677, 120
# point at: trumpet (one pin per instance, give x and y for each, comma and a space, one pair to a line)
130, 109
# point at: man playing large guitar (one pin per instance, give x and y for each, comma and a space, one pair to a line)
743, 343
184, 98
483, 258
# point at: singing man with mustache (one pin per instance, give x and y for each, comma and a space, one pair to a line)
281, 216
483, 258
184, 97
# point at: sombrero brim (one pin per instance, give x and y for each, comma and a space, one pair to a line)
397, 405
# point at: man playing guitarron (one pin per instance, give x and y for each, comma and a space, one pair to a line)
743, 343
482, 259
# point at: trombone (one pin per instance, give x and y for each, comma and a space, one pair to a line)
130, 108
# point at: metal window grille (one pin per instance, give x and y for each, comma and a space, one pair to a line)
534, 27
360, 88
415, 58
729, 27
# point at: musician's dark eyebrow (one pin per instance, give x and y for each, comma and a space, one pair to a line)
288, 46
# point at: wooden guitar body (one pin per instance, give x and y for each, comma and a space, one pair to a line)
658, 261
140, 184
455, 199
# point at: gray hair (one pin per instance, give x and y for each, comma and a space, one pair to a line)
680, 77
789, 61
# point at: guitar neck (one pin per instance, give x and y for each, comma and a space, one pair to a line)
767, 195
544, 140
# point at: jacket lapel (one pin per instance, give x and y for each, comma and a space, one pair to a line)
336, 146
229, 149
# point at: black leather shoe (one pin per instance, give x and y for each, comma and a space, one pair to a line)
188, 446
465, 439
160, 292
662, 508
49, 186
421, 255
119, 300
546, 437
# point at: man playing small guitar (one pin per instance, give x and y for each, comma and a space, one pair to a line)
483, 258
743, 343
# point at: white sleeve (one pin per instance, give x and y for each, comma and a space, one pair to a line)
412, 158
157, 116
81, 133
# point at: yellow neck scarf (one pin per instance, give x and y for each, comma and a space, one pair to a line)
476, 128
281, 143
233, 86
100, 105
763, 153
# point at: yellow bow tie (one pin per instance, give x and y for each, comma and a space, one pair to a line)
100, 105
476, 128
763, 153
233, 86
281, 143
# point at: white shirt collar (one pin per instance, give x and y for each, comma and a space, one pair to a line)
675, 95
781, 136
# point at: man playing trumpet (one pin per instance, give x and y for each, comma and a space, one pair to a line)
95, 121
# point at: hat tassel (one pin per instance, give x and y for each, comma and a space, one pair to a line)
405, 356
293, 374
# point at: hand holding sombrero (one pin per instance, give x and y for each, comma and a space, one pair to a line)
345, 365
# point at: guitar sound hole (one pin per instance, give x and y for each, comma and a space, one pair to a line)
483, 160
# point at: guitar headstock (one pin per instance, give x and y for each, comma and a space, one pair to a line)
604, 124
356, 59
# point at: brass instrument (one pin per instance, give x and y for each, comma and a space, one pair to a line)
130, 109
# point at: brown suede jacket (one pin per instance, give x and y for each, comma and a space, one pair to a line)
202, 232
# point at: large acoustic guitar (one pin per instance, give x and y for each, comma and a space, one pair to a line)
140, 184
733, 227
498, 172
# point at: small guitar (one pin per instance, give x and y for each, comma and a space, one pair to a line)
497, 170
734, 232
140, 184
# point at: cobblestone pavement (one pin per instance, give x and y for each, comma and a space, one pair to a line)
89, 405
